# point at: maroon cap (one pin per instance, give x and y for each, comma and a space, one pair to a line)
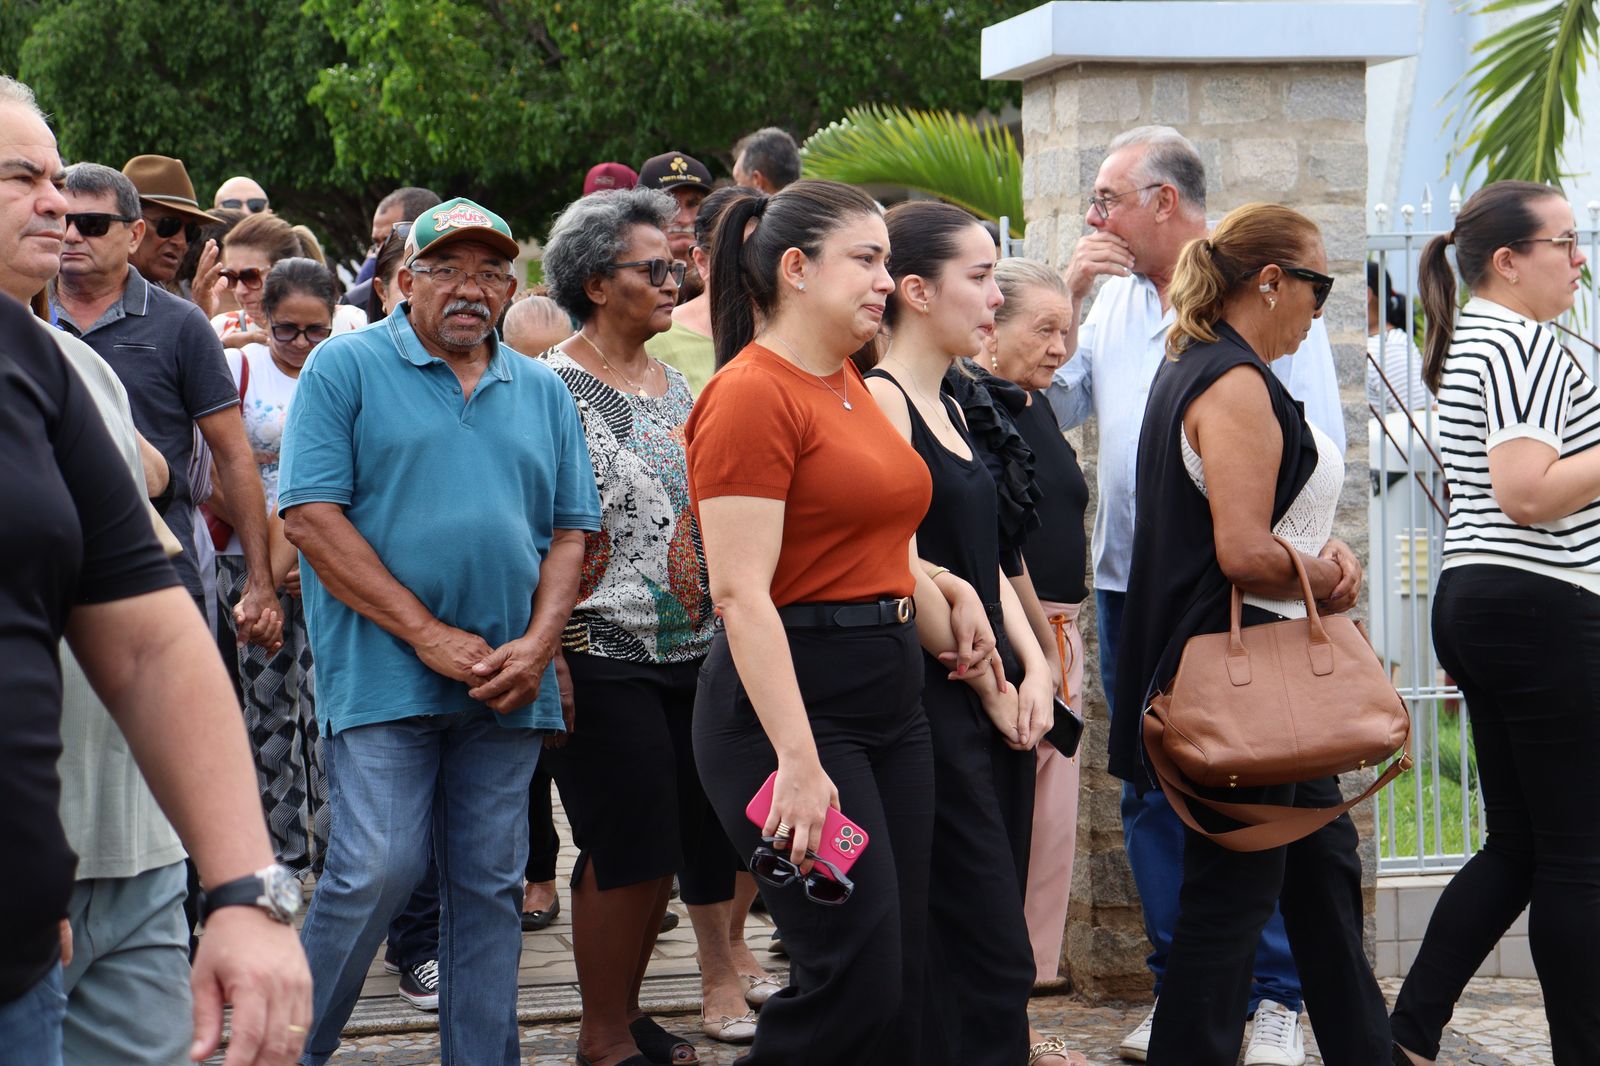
603, 177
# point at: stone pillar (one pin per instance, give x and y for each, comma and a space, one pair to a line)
1274, 96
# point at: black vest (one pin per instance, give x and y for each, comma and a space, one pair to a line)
1176, 589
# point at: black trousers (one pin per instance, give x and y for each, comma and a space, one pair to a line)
980, 961
1227, 898
1525, 650
855, 979
544, 843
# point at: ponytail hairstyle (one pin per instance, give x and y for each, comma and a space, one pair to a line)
1497, 215
299, 274
744, 270
1212, 269
310, 247
711, 208
1394, 303
922, 235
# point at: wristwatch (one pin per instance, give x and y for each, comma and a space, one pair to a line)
273, 889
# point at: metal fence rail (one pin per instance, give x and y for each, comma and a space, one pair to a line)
1430, 820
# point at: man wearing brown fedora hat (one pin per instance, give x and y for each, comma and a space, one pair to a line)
172, 215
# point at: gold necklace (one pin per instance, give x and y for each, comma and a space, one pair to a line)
634, 385
844, 397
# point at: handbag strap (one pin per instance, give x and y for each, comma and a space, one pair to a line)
1267, 825
1319, 646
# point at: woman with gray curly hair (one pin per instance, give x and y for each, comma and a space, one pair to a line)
639, 632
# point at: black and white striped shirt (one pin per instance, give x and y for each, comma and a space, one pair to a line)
1507, 377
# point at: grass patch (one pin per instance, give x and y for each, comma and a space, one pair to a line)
1415, 834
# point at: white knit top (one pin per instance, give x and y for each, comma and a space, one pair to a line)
1307, 524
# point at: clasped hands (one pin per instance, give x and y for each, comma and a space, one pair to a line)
502, 678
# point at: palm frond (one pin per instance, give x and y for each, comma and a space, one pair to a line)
936, 152
1520, 93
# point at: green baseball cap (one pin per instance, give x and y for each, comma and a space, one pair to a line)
459, 220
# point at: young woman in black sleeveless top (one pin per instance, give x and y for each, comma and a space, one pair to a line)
980, 973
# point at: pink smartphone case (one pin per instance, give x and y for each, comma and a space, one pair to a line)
843, 841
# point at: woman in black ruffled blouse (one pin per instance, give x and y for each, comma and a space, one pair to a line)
1042, 498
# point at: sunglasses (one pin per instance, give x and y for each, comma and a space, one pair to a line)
659, 269
397, 235
287, 333
96, 223
255, 205
169, 225
777, 870
249, 277
1321, 284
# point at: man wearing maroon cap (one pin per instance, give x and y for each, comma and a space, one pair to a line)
604, 177
689, 182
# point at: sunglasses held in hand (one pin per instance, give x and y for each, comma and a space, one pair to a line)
781, 872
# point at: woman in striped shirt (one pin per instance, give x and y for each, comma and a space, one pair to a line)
1516, 619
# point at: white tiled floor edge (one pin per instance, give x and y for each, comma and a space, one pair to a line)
1405, 902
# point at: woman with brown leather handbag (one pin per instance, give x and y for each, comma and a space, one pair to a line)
1227, 462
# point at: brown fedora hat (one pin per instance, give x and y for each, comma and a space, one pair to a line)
163, 181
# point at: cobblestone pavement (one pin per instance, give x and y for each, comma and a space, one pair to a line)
1500, 1022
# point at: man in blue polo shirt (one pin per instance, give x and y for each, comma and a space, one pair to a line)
437, 486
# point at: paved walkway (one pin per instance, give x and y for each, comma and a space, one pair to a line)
1500, 1021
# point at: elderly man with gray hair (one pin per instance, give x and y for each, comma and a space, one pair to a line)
1149, 201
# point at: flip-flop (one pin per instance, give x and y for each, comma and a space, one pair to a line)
658, 1044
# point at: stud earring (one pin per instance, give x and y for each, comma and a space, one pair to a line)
924, 308
1515, 278
1266, 288
800, 285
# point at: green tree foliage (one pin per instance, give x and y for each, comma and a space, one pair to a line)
1521, 92
330, 103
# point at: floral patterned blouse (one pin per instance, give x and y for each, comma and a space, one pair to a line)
644, 595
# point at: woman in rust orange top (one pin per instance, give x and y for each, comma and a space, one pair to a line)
809, 500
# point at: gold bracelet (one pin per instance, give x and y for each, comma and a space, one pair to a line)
936, 571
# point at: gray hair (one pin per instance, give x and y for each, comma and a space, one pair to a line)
591, 234
1169, 158
15, 92
532, 313
771, 151
93, 179
1015, 276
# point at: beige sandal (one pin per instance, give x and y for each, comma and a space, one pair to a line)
740, 1030
759, 989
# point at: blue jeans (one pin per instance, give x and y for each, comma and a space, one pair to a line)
1153, 836
30, 1025
454, 786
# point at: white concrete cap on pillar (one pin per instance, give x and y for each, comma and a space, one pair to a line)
1191, 31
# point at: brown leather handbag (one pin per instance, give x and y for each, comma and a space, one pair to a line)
1275, 704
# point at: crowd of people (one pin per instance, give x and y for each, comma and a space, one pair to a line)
753, 532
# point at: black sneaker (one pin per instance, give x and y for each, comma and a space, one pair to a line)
419, 985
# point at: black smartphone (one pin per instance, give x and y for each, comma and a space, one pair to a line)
1067, 731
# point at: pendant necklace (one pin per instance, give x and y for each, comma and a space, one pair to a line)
634, 385
844, 397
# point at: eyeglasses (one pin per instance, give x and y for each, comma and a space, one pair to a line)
96, 223
453, 277
777, 870
659, 269
169, 225
1103, 204
288, 333
249, 277
1321, 284
255, 205
1569, 238
396, 235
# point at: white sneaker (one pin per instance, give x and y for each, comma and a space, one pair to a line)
1275, 1037
1135, 1047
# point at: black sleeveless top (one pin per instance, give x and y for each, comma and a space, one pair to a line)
1176, 588
959, 531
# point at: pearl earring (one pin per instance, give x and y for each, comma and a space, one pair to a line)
800, 285
994, 363
1272, 303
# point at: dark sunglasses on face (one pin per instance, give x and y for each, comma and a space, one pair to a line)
249, 278
255, 205
288, 333
96, 223
659, 269
777, 870
169, 225
1321, 284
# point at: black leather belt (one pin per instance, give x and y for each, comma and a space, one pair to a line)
848, 615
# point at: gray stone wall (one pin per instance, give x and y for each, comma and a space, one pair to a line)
1289, 133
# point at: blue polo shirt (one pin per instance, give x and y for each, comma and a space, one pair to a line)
459, 500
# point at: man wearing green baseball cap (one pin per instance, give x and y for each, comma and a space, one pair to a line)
438, 488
